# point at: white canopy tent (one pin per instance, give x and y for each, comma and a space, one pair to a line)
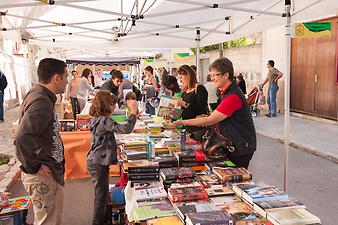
110, 25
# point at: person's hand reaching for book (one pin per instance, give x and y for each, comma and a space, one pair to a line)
176, 123
132, 105
44, 171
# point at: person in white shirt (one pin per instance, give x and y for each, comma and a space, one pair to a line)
84, 87
212, 97
98, 78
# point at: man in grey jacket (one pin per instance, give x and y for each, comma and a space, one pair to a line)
39, 147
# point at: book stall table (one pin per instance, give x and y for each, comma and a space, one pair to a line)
176, 192
76, 146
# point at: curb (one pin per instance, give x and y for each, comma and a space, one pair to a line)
315, 152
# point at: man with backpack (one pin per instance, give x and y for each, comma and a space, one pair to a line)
3, 85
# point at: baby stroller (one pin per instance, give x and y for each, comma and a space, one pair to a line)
253, 100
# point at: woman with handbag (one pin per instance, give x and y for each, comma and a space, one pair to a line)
194, 99
232, 116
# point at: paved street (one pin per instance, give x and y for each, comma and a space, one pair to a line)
312, 180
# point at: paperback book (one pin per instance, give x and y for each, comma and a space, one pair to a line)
195, 207
153, 211
292, 216
150, 193
231, 174
172, 220
267, 206
182, 194
250, 218
209, 218
16, 204
177, 173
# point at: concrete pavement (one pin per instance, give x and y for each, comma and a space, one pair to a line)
315, 137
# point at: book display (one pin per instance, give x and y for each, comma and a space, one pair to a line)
174, 182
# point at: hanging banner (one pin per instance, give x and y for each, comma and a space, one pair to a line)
313, 30
181, 56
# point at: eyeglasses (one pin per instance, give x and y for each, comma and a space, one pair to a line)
216, 75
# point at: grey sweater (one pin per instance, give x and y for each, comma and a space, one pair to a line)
103, 147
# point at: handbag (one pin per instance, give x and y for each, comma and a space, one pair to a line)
215, 144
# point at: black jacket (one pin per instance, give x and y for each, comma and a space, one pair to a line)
37, 139
239, 128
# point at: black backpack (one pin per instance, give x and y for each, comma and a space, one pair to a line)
3, 81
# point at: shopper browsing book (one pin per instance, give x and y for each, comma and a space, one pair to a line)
102, 151
232, 115
194, 98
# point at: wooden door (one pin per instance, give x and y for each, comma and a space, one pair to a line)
325, 74
302, 75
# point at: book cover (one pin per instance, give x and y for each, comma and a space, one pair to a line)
195, 207
176, 173
250, 218
83, 122
232, 174
209, 218
219, 200
264, 194
292, 216
153, 211
16, 204
172, 220
147, 184
219, 191
141, 166
208, 179
265, 206
187, 194
144, 176
235, 207
150, 193
241, 187
67, 125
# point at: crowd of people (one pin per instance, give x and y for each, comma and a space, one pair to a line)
220, 102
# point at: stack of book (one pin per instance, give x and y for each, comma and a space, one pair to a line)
274, 204
154, 128
134, 147
190, 158
142, 170
166, 161
176, 175
232, 174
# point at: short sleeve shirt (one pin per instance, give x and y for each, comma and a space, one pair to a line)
272, 75
230, 104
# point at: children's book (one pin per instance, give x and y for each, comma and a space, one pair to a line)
153, 211
16, 204
169, 106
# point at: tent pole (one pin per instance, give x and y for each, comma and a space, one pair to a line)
287, 92
198, 39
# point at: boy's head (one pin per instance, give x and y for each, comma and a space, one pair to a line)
103, 104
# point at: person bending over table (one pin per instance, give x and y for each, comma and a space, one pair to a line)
232, 116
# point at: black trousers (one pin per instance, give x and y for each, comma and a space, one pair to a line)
100, 176
241, 160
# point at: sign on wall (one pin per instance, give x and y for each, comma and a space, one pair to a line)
313, 30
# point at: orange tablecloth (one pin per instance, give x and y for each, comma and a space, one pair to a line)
76, 146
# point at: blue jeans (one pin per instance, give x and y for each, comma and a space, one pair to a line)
75, 106
1, 105
271, 100
19, 217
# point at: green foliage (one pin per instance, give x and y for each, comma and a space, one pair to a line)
243, 41
4, 159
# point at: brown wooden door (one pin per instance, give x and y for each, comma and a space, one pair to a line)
302, 72
313, 75
325, 72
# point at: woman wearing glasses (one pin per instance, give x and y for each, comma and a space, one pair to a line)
232, 115
194, 97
